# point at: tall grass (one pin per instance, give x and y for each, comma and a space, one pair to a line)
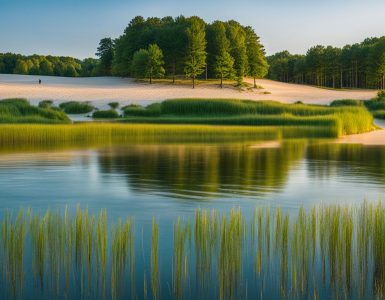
74, 107
21, 111
340, 117
334, 251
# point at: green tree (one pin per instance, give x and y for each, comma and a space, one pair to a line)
236, 36
45, 67
196, 51
105, 52
21, 67
154, 67
257, 64
139, 63
224, 66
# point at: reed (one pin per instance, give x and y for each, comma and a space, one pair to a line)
340, 117
334, 251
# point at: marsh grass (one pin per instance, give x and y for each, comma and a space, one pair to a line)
21, 111
343, 118
334, 251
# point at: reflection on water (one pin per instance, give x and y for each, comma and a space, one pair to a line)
166, 181
170, 179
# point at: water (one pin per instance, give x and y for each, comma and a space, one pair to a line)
170, 180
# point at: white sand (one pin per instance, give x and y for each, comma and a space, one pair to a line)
101, 90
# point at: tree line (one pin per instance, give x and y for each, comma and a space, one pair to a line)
11, 63
360, 65
188, 47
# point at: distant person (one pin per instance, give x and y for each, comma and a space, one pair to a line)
39, 81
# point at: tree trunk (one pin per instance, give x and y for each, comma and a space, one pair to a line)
255, 85
206, 71
173, 73
193, 82
221, 81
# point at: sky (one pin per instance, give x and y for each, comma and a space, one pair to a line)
74, 27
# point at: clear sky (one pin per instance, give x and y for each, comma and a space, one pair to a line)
74, 27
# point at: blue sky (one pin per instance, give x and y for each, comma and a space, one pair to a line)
74, 27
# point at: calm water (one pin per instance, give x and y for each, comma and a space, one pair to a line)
167, 181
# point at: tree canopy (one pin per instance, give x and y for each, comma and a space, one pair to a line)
352, 66
11, 63
191, 48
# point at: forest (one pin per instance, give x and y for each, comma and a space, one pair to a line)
11, 63
186, 47
360, 65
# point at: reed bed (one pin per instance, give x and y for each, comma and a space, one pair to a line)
334, 251
342, 117
105, 133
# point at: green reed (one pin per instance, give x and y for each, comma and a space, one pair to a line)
335, 251
155, 259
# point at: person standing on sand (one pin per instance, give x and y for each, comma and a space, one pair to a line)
39, 81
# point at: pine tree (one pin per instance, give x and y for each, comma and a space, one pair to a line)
224, 66
196, 51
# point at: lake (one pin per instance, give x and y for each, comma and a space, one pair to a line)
167, 181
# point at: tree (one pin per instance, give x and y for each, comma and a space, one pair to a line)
148, 63
139, 63
105, 52
45, 67
236, 35
155, 62
21, 67
257, 64
196, 51
224, 66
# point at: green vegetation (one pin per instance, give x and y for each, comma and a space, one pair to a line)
339, 120
21, 111
105, 114
333, 251
114, 105
232, 50
105, 52
104, 133
148, 63
354, 66
11, 63
74, 107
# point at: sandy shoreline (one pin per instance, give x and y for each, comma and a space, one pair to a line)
101, 90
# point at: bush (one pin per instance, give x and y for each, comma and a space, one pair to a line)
105, 114
73, 107
21, 111
151, 110
379, 114
45, 104
346, 102
114, 105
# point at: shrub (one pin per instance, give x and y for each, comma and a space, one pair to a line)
379, 114
346, 102
45, 104
105, 114
114, 105
21, 111
151, 110
74, 107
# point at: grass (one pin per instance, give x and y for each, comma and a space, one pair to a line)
105, 114
334, 251
74, 107
341, 120
21, 111
104, 133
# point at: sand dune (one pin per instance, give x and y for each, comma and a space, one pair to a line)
101, 90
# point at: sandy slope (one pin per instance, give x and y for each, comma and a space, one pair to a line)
102, 90
369, 139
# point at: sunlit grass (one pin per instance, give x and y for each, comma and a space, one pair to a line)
334, 251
